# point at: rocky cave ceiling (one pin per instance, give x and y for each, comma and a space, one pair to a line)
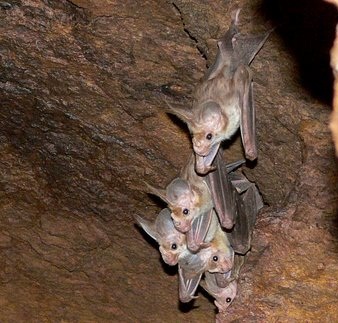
82, 125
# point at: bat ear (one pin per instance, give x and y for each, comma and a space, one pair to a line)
183, 113
164, 223
147, 226
211, 113
177, 188
161, 193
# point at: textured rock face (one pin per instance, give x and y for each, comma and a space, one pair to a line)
82, 87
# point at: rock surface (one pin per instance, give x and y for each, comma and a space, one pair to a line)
83, 85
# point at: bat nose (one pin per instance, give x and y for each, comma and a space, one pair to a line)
199, 147
177, 223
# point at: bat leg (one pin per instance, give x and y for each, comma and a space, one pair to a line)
198, 232
187, 286
222, 192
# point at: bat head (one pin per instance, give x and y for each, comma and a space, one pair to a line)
183, 202
225, 296
207, 128
221, 259
172, 242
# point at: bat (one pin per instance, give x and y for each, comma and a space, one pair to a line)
187, 196
217, 257
223, 100
172, 243
223, 296
191, 198
226, 293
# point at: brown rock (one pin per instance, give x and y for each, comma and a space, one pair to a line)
82, 87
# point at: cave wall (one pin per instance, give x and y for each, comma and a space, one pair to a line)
82, 125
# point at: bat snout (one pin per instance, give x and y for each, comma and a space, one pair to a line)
182, 226
168, 257
225, 266
200, 147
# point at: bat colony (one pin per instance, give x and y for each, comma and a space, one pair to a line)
206, 229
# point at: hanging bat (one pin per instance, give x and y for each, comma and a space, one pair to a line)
191, 198
223, 100
217, 257
224, 295
188, 196
172, 243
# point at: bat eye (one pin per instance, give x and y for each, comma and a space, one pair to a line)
228, 300
185, 211
209, 136
215, 258
174, 246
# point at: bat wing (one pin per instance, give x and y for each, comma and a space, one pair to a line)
248, 205
222, 192
246, 47
187, 286
243, 83
198, 232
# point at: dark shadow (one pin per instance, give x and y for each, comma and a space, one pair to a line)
182, 125
307, 28
147, 237
186, 307
158, 201
169, 270
203, 292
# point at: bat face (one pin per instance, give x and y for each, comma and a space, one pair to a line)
184, 204
224, 296
207, 130
171, 247
172, 243
221, 261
